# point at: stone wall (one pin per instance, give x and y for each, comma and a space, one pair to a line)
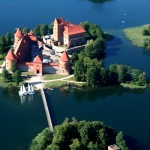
47, 68
75, 49
50, 69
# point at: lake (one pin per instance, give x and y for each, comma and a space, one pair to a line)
120, 108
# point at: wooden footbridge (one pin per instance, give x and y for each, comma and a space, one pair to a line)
47, 110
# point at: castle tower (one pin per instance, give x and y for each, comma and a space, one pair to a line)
38, 67
10, 59
17, 36
58, 29
64, 64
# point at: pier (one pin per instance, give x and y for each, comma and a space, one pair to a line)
47, 111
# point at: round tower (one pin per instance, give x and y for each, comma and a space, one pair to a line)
64, 64
10, 59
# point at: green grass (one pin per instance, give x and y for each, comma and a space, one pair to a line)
56, 84
53, 76
136, 36
6, 84
79, 84
132, 86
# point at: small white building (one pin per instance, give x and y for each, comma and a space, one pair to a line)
113, 147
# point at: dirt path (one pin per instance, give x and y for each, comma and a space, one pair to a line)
38, 81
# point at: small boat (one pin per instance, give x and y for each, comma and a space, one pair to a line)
32, 89
29, 89
21, 91
24, 90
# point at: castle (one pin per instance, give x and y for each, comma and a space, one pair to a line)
27, 49
27, 55
67, 33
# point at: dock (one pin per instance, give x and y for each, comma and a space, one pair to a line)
49, 120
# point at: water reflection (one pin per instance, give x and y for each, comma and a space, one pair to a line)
93, 94
26, 99
99, 1
113, 46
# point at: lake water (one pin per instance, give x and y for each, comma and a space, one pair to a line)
122, 109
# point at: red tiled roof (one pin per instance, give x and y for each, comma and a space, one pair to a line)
18, 33
59, 20
75, 29
64, 57
31, 36
11, 55
37, 59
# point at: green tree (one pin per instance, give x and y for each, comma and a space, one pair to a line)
6, 75
145, 32
43, 29
14, 67
74, 58
76, 135
122, 72
8, 39
17, 76
95, 48
120, 141
141, 80
103, 138
42, 140
104, 77
76, 145
36, 31
25, 30
93, 146
2, 45
79, 71
91, 76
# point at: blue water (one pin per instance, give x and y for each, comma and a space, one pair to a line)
122, 109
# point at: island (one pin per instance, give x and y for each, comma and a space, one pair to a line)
79, 135
71, 54
64, 49
139, 36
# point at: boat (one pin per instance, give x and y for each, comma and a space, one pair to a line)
21, 91
24, 90
30, 89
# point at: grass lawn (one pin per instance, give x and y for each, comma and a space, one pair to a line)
132, 86
56, 84
53, 76
136, 36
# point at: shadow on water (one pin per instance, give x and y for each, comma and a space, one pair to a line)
146, 52
92, 94
133, 144
99, 1
113, 47
51, 110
